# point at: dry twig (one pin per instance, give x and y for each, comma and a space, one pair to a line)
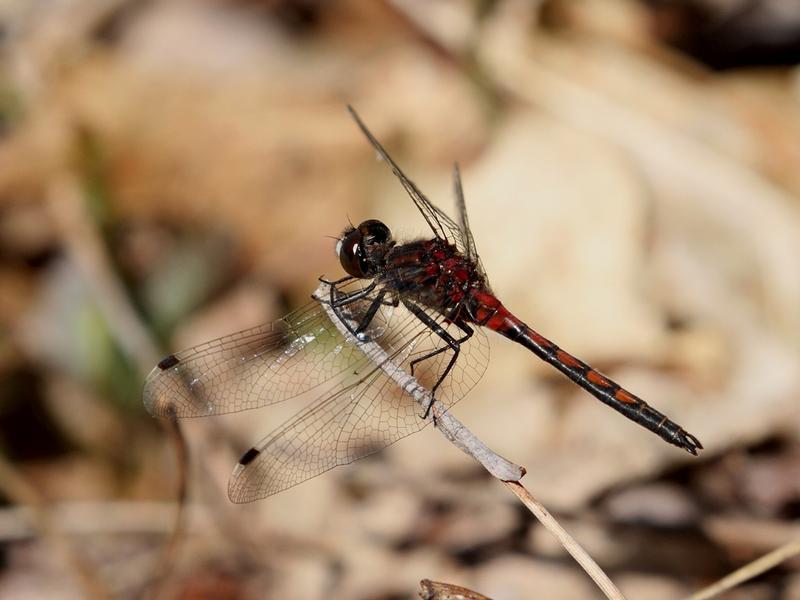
570, 545
750, 570
437, 590
158, 586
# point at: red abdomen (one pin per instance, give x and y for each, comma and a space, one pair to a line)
488, 311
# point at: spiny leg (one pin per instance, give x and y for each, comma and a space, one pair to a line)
452, 344
453, 318
370, 314
375, 305
344, 279
339, 298
344, 297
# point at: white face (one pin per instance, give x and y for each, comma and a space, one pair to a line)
340, 247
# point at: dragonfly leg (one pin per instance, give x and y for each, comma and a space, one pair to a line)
346, 298
370, 314
373, 309
375, 304
343, 295
339, 299
452, 344
345, 279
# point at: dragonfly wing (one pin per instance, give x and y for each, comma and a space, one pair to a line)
259, 366
362, 413
442, 226
466, 232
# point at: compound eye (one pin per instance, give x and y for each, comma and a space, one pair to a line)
375, 232
351, 253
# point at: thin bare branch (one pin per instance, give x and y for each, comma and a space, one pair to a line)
570, 545
159, 586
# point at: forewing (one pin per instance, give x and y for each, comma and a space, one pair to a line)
362, 413
442, 226
259, 366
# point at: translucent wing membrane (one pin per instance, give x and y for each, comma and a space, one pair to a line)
351, 406
468, 240
253, 368
442, 226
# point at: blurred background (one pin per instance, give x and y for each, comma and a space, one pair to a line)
173, 171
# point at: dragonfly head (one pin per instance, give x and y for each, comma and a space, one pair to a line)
362, 249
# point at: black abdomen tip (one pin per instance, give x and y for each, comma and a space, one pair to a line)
168, 362
248, 456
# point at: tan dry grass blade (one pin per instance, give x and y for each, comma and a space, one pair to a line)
750, 570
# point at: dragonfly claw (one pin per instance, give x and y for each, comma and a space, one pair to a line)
689, 442
428, 409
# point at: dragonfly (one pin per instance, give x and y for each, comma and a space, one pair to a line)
426, 302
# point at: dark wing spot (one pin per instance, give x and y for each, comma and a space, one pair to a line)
168, 362
248, 456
